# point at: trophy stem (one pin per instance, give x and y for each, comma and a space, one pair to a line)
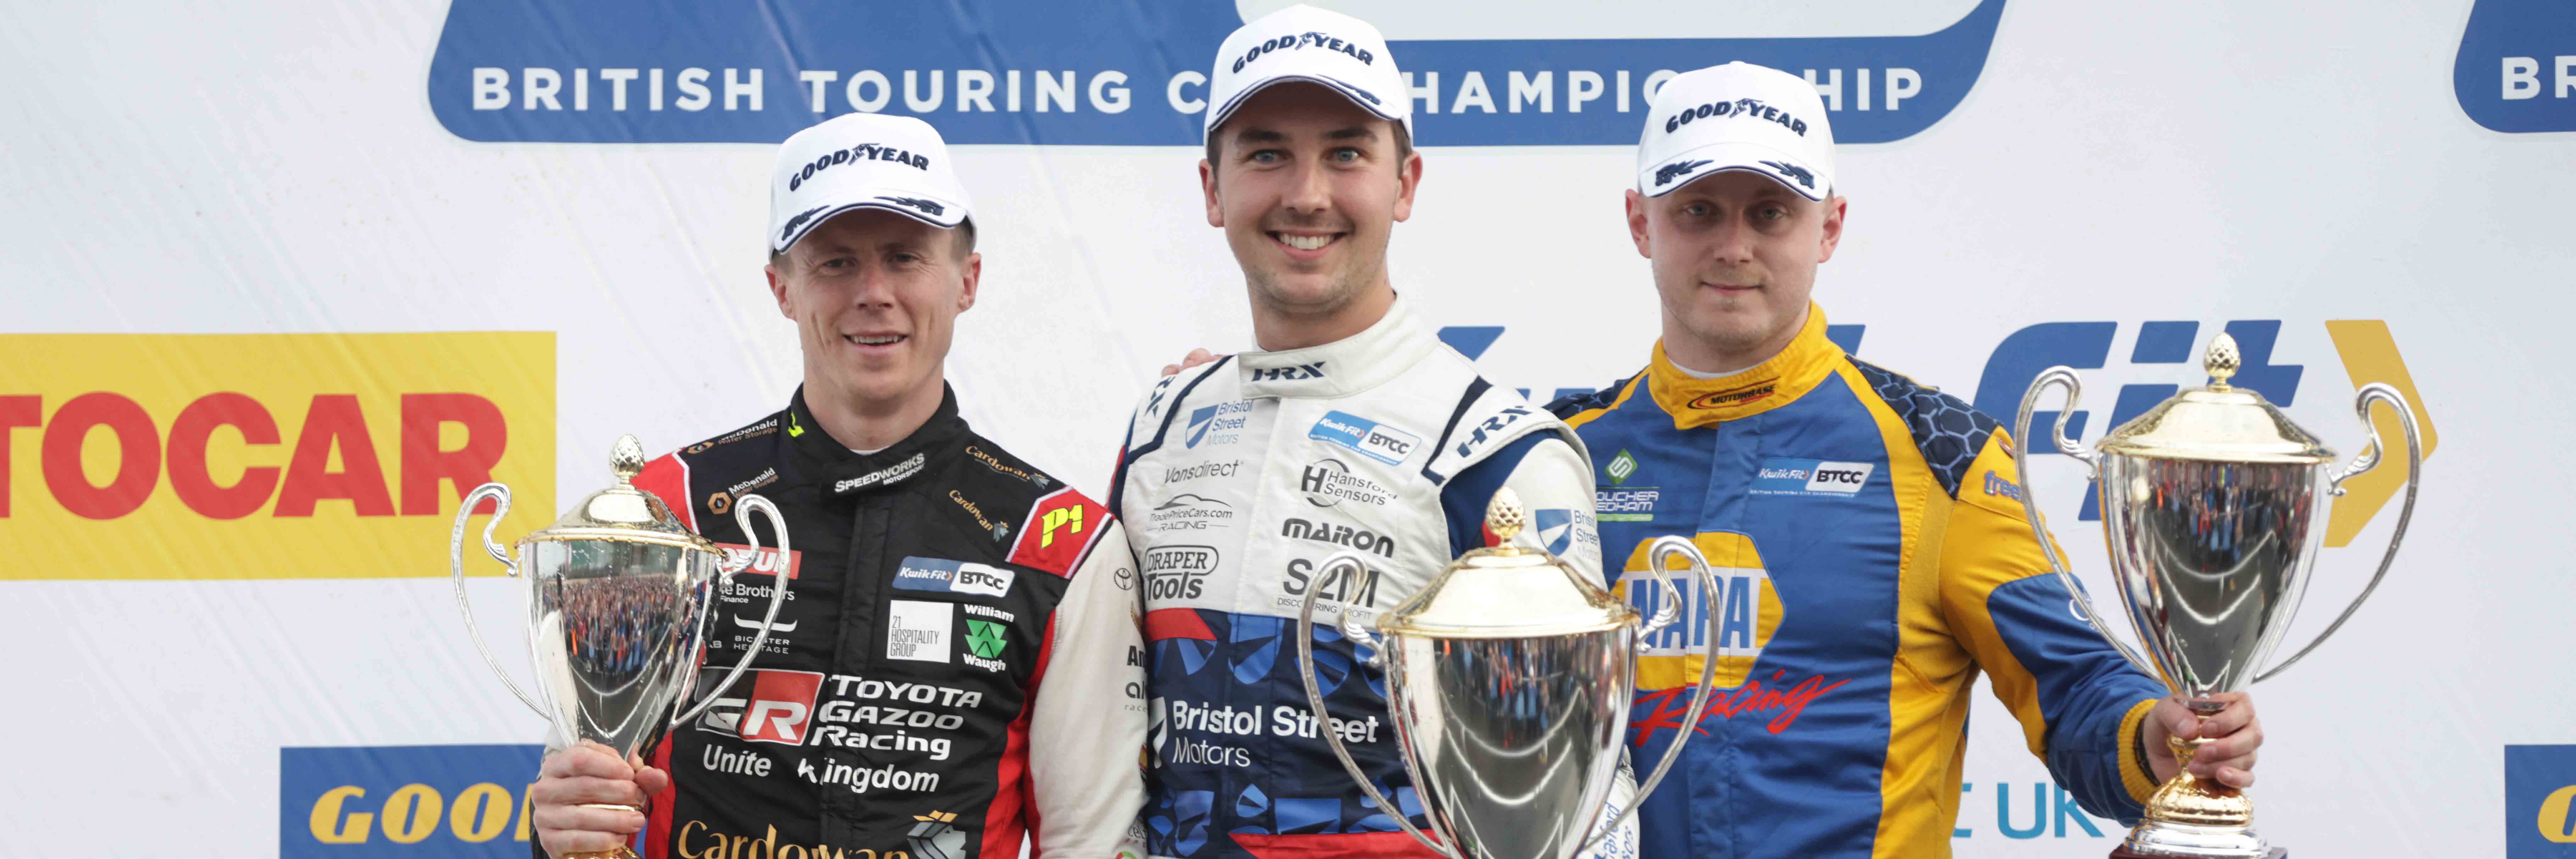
2190, 816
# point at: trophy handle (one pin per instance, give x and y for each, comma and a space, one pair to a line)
500, 497
2062, 375
742, 509
1324, 719
2362, 463
1662, 550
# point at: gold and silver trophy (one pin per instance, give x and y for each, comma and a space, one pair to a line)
1509, 678
619, 596
2212, 505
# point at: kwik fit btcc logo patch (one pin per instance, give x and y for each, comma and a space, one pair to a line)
1030, 72
274, 456
1366, 437
940, 575
1747, 613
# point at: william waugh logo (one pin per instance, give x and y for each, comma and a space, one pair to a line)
1305, 40
1744, 107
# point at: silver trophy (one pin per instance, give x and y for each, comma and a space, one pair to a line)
619, 594
1509, 678
2211, 502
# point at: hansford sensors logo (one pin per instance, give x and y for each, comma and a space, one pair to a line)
1023, 71
273, 456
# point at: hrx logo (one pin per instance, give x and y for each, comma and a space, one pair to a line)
1289, 373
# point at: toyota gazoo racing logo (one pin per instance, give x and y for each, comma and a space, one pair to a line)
763, 706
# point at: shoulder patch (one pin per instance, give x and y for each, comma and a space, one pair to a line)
1059, 531
1574, 404
667, 478
1947, 430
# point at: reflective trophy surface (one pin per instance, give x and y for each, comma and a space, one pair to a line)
2212, 505
1509, 679
619, 595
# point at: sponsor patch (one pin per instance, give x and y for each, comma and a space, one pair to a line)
1218, 424
1329, 482
1615, 503
1367, 437
763, 706
1177, 572
887, 476
1620, 468
1782, 476
940, 575
918, 631
1187, 512
1059, 531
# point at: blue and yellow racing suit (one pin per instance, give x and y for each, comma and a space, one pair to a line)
1868, 535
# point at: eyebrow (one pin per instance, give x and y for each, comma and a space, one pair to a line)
1356, 132
1258, 135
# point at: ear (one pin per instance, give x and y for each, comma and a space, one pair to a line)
1207, 185
1408, 178
1637, 224
974, 275
778, 289
1834, 210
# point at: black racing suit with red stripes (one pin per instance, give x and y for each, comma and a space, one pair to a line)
957, 662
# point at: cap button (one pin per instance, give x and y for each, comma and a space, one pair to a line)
2222, 361
626, 458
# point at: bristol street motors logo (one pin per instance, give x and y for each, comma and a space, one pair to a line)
763, 706
1748, 612
1218, 424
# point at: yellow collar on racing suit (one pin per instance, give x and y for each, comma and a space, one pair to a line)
1695, 402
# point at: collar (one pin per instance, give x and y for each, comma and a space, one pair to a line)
1343, 367
844, 473
1695, 402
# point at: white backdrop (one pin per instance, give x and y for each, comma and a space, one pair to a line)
276, 168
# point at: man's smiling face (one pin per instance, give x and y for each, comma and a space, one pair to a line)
875, 296
1308, 187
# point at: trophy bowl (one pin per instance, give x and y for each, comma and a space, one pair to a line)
2211, 506
1509, 680
619, 594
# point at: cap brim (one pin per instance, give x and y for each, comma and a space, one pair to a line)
1357, 95
1733, 156
929, 209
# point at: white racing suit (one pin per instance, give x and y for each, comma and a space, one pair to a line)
1237, 481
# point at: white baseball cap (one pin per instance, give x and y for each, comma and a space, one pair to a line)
1737, 116
862, 161
1303, 43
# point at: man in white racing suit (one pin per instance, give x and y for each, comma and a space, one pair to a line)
1354, 428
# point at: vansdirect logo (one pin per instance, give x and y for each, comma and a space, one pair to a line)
274, 456
1020, 71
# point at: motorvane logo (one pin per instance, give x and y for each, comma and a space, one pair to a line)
1366, 437
1028, 72
1780, 476
940, 575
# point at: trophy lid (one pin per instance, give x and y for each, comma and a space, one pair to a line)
623, 512
1505, 591
2218, 423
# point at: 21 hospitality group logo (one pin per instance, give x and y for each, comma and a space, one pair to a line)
231, 456
1021, 71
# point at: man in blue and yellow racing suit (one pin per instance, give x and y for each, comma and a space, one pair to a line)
1868, 532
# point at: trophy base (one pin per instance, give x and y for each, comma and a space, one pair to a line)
2124, 852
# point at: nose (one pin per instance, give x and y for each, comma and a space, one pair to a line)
873, 287
1733, 244
1310, 192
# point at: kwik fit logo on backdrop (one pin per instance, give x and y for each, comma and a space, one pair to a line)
1022, 71
2161, 350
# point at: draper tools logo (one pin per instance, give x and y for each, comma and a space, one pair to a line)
398, 801
1021, 71
274, 456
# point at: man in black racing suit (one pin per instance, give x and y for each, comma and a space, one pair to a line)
958, 659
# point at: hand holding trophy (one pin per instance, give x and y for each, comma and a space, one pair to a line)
619, 594
1510, 678
2210, 502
